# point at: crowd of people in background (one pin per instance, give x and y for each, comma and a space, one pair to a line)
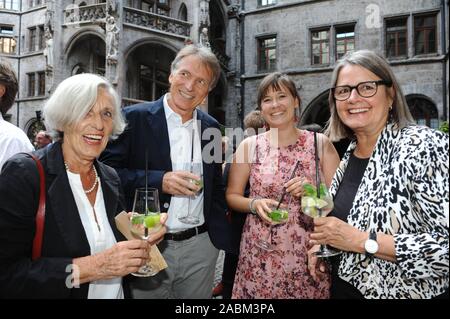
390, 190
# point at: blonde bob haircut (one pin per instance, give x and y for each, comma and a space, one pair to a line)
398, 115
73, 99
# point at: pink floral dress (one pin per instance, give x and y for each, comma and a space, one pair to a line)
282, 273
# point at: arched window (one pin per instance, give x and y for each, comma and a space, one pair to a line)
423, 110
317, 111
33, 126
182, 13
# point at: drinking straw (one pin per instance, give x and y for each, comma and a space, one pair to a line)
192, 149
146, 190
284, 188
316, 159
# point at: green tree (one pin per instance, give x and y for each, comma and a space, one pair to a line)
444, 127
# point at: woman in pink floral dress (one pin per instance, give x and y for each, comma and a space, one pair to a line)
267, 162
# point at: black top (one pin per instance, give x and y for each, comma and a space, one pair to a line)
237, 219
345, 195
343, 202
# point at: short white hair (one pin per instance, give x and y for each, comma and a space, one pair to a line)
73, 99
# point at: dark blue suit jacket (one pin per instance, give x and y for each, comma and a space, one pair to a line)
147, 129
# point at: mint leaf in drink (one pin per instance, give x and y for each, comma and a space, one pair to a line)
278, 216
137, 219
309, 190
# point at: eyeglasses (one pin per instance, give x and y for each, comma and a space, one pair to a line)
364, 89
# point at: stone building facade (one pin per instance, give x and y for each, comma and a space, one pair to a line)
305, 38
132, 43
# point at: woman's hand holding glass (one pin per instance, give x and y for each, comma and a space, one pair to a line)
337, 233
272, 214
157, 235
317, 202
145, 221
264, 208
121, 259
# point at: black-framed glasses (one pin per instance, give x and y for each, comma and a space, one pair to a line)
364, 89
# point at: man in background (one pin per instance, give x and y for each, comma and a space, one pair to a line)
12, 139
42, 139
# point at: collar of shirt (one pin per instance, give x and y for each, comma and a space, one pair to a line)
174, 118
180, 140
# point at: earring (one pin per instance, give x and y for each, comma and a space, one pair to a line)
391, 115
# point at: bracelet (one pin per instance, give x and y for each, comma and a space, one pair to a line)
252, 210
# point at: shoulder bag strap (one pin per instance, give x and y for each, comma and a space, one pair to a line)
40, 214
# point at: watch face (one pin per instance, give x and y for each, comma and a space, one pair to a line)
371, 246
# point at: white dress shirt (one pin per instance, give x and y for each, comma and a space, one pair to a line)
12, 141
180, 138
100, 236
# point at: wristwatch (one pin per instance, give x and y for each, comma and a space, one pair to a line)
371, 245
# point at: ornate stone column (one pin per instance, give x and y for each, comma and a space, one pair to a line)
204, 23
113, 28
203, 26
49, 49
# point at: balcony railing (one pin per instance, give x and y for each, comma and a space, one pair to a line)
85, 14
156, 22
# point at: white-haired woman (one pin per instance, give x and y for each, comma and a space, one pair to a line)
81, 244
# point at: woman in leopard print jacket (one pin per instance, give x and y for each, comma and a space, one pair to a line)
391, 191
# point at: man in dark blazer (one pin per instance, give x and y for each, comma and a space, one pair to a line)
163, 130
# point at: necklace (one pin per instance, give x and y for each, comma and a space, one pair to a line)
91, 189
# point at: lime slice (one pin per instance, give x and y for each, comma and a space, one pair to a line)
308, 201
310, 211
152, 220
320, 203
199, 183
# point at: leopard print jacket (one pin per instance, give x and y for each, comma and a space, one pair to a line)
404, 192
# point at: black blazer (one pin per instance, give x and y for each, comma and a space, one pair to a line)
147, 129
64, 237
